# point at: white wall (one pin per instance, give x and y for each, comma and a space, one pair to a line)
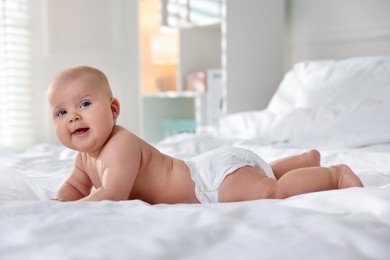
100, 33
254, 40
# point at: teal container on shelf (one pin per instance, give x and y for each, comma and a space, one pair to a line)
178, 126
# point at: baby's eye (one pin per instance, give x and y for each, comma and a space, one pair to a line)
85, 104
61, 112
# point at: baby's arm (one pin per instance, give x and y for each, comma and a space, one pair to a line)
120, 163
77, 186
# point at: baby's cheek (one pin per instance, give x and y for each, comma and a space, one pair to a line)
60, 133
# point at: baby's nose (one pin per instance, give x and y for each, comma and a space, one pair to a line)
74, 117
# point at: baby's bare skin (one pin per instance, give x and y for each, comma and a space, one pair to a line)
158, 178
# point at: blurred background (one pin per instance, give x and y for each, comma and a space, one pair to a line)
175, 65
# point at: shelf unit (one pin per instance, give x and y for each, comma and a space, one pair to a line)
171, 112
199, 49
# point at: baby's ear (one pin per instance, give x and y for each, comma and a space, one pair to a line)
115, 108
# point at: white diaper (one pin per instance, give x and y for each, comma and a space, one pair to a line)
208, 170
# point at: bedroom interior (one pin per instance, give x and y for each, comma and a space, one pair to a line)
291, 75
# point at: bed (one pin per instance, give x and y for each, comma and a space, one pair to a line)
339, 107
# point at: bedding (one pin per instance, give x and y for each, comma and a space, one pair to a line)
351, 223
364, 122
311, 84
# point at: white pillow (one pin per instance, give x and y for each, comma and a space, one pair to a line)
353, 125
286, 95
313, 84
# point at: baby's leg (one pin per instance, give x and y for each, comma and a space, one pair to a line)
313, 179
249, 183
246, 183
281, 166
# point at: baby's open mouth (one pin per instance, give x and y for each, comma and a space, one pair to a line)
80, 131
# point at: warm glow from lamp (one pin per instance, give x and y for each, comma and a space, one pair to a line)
164, 49
164, 54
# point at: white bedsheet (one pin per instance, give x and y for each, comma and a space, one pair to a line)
340, 224
340, 107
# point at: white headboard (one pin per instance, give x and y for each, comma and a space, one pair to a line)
334, 29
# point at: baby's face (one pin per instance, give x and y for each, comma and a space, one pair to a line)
83, 113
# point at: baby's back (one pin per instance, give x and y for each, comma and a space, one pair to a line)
161, 178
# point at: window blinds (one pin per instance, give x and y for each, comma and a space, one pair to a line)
16, 123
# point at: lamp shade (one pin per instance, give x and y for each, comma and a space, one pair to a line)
164, 49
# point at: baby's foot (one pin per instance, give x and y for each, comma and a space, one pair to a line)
346, 178
312, 158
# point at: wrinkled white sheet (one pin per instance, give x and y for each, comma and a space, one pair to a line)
340, 224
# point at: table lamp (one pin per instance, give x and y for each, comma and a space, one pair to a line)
164, 53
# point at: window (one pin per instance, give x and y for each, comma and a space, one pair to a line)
16, 124
183, 13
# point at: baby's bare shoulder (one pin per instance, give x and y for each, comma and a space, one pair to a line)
124, 144
121, 137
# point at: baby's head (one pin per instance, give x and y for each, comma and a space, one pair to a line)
71, 74
83, 108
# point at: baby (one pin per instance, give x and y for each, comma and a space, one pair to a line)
121, 166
